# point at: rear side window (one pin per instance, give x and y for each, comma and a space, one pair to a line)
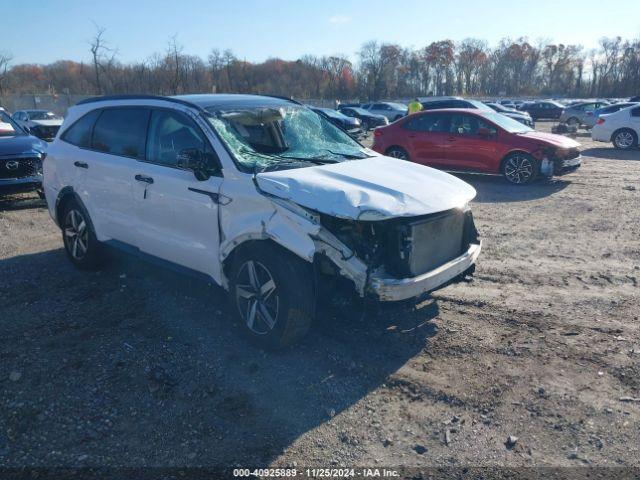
122, 131
428, 123
79, 134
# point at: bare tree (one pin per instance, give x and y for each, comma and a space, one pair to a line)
5, 59
103, 57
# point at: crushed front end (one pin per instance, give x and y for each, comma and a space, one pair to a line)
409, 256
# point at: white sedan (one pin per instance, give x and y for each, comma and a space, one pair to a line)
621, 128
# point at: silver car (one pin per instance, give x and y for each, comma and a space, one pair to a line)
393, 111
581, 113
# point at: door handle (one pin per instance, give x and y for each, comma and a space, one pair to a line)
451, 139
81, 164
144, 178
412, 135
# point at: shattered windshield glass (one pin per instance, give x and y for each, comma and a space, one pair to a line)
287, 136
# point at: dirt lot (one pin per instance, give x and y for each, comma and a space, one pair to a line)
136, 366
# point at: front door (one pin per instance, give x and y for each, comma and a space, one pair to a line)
177, 214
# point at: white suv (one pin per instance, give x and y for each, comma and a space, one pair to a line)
259, 194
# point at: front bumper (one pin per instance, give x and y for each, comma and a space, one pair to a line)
387, 288
25, 184
567, 165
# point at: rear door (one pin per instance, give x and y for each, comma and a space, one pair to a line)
465, 149
426, 134
118, 144
177, 214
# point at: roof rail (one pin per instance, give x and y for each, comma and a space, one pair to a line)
281, 97
107, 98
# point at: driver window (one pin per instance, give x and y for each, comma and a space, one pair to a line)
464, 125
169, 133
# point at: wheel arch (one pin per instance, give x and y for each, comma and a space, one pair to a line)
65, 195
617, 130
512, 152
246, 244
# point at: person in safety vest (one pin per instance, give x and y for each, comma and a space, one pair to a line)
415, 106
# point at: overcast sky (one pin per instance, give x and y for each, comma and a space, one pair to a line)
41, 31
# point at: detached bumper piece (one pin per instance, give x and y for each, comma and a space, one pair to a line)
567, 163
433, 251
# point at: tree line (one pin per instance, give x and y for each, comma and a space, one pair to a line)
382, 70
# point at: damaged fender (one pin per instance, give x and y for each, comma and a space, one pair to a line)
291, 226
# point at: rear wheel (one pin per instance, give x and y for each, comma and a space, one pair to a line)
78, 236
397, 152
520, 168
272, 295
624, 139
573, 122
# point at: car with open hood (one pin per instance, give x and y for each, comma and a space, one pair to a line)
259, 195
472, 140
44, 124
21, 158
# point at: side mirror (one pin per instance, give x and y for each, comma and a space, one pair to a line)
195, 160
484, 132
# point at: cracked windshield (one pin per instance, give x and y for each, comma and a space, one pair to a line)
288, 136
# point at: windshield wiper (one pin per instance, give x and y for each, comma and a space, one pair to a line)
350, 156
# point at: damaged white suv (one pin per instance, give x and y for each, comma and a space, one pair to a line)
259, 194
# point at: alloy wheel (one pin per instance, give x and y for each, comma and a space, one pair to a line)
518, 169
624, 140
398, 153
76, 234
257, 297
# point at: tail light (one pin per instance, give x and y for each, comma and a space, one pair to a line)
600, 121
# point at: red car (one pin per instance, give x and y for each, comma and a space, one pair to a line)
478, 141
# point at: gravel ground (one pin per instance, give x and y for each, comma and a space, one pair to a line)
136, 366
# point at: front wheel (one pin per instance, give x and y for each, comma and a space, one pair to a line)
272, 295
520, 168
624, 139
397, 152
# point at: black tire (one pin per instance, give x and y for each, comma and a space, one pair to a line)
277, 315
624, 139
573, 121
520, 168
397, 152
79, 238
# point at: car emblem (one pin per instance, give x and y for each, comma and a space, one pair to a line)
13, 165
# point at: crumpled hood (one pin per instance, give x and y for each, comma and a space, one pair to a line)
369, 189
551, 138
20, 145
